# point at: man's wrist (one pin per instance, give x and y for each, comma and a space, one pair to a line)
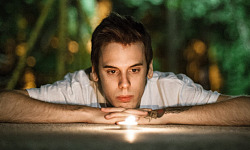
158, 113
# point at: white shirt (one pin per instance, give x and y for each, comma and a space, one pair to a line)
164, 89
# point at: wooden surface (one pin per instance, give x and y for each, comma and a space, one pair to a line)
112, 137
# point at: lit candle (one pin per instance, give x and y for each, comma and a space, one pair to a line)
129, 122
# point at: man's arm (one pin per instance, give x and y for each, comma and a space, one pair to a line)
226, 111
17, 106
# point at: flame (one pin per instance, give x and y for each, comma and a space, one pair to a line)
130, 120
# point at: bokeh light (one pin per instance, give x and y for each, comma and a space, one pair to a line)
31, 61
29, 79
73, 46
21, 49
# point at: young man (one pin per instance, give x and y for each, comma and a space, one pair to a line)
123, 83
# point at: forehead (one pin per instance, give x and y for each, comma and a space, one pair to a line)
117, 54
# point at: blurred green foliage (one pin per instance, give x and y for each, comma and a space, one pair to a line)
223, 24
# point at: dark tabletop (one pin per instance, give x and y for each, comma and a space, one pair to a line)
112, 137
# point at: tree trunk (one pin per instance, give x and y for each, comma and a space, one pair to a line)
32, 40
61, 53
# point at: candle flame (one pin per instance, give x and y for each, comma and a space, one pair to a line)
130, 120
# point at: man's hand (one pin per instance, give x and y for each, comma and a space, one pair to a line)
143, 116
97, 115
120, 114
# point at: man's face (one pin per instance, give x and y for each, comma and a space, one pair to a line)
122, 73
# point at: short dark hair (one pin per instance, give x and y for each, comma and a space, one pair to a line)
120, 29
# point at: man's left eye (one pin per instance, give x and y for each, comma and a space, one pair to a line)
111, 71
135, 70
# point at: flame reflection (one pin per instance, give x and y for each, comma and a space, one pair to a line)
130, 136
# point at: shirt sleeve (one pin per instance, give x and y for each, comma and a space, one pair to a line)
194, 94
67, 91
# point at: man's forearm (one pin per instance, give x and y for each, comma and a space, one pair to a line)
18, 107
232, 112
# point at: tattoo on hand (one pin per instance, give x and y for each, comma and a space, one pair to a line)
160, 112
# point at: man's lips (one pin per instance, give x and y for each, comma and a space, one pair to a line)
125, 98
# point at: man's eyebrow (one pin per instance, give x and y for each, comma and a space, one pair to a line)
135, 65
108, 66
138, 64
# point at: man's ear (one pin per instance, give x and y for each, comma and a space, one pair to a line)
94, 75
150, 70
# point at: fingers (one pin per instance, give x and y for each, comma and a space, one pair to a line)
113, 109
114, 115
125, 114
146, 109
142, 111
120, 114
136, 112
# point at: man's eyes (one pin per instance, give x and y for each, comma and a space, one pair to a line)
134, 70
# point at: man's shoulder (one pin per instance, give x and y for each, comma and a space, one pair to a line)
82, 76
169, 75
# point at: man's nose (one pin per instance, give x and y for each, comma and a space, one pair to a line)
124, 81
